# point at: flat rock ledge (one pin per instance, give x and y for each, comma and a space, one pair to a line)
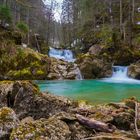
28, 114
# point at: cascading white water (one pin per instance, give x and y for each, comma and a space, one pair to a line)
66, 55
120, 76
120, 73
78, 73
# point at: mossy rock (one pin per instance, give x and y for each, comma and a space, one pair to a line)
102, 113
124, 121
40, 73
8, 121
42, 129
130, 102
20, 74
11, 35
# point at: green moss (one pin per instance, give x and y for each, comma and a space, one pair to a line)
20, 74
30, 130
40, 72
18, 62
5, 114
35, 64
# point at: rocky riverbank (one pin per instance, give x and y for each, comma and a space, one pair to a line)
23, 63
26, 113
98, 61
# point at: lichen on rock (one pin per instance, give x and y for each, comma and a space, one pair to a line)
42, 129
8, 121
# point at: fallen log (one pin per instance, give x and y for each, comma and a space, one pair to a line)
96, 125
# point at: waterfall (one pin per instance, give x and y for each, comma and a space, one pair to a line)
63, 54
120, 76
120, 73
66, 55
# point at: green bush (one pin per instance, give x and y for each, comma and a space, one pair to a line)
22, 27
5, 14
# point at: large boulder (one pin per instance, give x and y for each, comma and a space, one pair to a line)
77, 130
51, 129
8, 121
26, 100
92, 67
60, 69
19, 63
134, 70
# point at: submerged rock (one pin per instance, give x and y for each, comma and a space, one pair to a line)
8, 121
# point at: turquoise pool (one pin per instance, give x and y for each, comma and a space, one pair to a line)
94, 91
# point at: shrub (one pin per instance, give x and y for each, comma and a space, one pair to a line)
5, 14
22, 27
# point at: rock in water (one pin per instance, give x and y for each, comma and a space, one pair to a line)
92, 67
8, 121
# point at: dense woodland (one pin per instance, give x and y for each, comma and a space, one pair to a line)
35, 14
108, 22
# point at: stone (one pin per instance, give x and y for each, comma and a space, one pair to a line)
42, 129
53, 76
26, 100
134, 70
60, 69
123, 120
95, 49
71, 75
92, 67
77, 130
8, 121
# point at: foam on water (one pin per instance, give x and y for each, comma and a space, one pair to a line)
120, 75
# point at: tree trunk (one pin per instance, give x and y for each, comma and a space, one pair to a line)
121, 17
133, 11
